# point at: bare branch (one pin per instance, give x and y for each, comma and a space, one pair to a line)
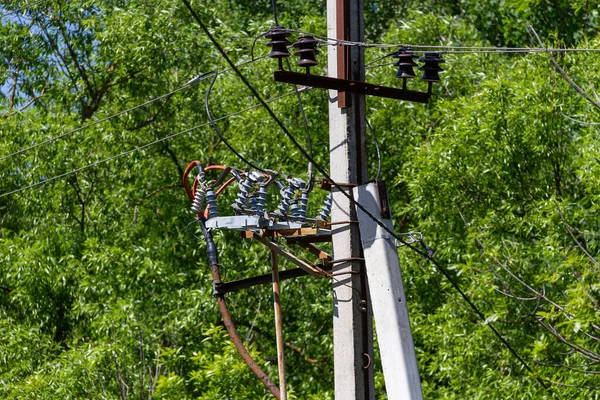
581, 247
580, 122
562, 72
29, 103
516, 297
582, 371
157, 191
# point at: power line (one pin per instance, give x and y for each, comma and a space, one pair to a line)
74, 171
274, 6
562, 72
189, 84
310, 173
467, 49
216, 128
343, 191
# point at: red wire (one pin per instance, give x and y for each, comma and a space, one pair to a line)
186, 173
191, 192
219, 191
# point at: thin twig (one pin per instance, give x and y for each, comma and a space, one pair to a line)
562, 72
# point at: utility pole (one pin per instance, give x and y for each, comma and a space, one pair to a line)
352, 326
388, 301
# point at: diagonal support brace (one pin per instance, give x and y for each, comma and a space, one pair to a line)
311, 270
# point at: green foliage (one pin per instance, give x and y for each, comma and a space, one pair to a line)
104, 288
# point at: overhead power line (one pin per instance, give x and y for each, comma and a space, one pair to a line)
188, 85
216, 128
562, 72
105, 160
349, 196
310, 173
445, 48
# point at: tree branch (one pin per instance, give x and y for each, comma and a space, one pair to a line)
562, 72
29, 103
157, 191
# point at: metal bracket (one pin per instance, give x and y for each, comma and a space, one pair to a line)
310, 269
218, 289
250, 222
325, 82
384, 203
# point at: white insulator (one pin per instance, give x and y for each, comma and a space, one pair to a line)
326, 210
302, 206
242, 198
261, 199
288, 196
198, 201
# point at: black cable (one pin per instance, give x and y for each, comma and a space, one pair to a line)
346, 194
126, 152
274, 5
254, 44
310, 173
480, 314
192, 82
218, 131
379, 59
376, 148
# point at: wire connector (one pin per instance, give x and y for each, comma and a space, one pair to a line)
218, 288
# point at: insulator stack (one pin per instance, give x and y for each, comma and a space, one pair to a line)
198, 201
288, 198
307, 51
326, 210
294, 209
252, 202
303, 206
261, 199
278, 43
405, 65
211, 201
431, 69
242, 197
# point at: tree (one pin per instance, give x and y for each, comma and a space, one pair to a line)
104, 289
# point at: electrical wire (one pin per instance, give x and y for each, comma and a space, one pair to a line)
310, 172
376, 148
187, 131
367, 65
470, 49
254, 44
349, 196
216, 128
274, 5
379, 65
562, 72
190, 83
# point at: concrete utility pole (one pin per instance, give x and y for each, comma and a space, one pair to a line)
388, 301
352, 327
